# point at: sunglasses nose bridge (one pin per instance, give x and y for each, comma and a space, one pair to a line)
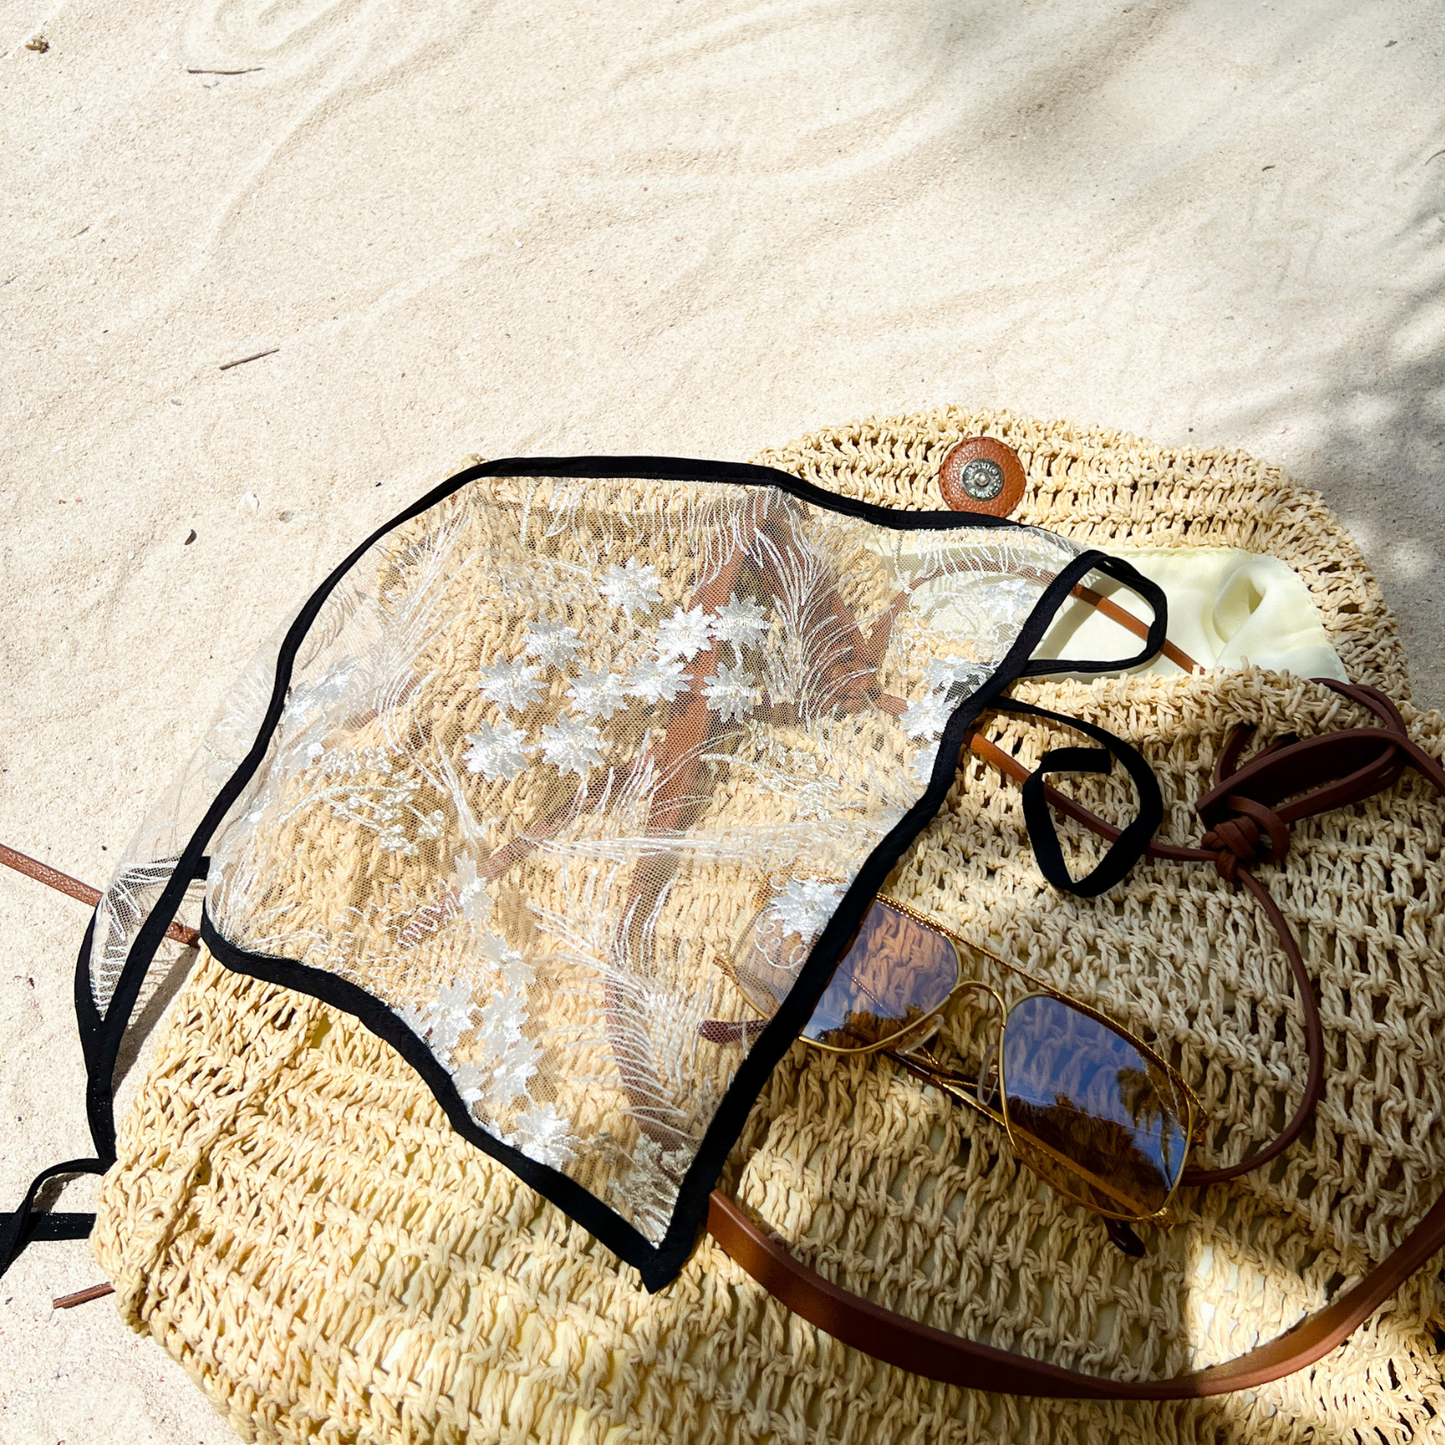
998, 1014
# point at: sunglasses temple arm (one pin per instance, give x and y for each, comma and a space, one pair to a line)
956, 1086
1122, 1237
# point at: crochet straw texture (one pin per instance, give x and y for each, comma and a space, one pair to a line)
293, 1219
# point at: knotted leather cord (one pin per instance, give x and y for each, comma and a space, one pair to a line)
1246, 831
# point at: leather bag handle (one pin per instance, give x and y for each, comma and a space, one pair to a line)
1371, 759
937, 1355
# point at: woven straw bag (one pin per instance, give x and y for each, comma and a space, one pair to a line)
293, 1217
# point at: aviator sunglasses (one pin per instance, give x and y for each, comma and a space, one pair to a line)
1090, 1108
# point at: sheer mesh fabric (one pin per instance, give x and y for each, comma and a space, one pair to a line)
150, 857
552, 746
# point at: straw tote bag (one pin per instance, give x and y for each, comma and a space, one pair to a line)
293, 1214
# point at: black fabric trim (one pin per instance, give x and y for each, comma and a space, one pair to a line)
21, 1226
1136, 581
58, 1224
660, 1264
742, 474
1128, 848
99, 1087
101, 1035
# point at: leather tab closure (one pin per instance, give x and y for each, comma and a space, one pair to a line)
981, 474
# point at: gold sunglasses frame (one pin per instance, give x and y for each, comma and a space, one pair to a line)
922, 1065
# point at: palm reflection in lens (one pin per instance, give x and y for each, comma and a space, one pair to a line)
1105, 1116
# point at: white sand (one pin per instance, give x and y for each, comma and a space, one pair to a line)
668, 227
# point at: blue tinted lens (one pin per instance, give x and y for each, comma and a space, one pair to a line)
1115, 1132
896, 972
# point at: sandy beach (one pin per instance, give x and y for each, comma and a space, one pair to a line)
269, 271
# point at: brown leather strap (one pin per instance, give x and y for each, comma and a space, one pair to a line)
1248, 831
942, 1356
1372, 759
1115, 613
938, 1355
954, 1360
1323, 772
64, 883
1253, 793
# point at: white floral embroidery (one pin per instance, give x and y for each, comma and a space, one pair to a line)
632, 588
805, 905
505, 1056
504, 1016
443, 1021
353, 762
925, 717
325, 691
371, 804
516, 1064
541, 1133
571, 746
516, 971
472, 896
551, 642
921, 767
501, 1022
532, 1035
733, 693
514, 1061
597, 695
656, 682
511, 685
450, 1016
684, 634
470, 1081
742, 623
413, 1017
497, 753
648, 1182
947, 672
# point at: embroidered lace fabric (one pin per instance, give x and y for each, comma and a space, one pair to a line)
553, 744
149, 859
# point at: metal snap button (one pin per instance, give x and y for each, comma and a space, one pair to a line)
981, 474
982, 479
